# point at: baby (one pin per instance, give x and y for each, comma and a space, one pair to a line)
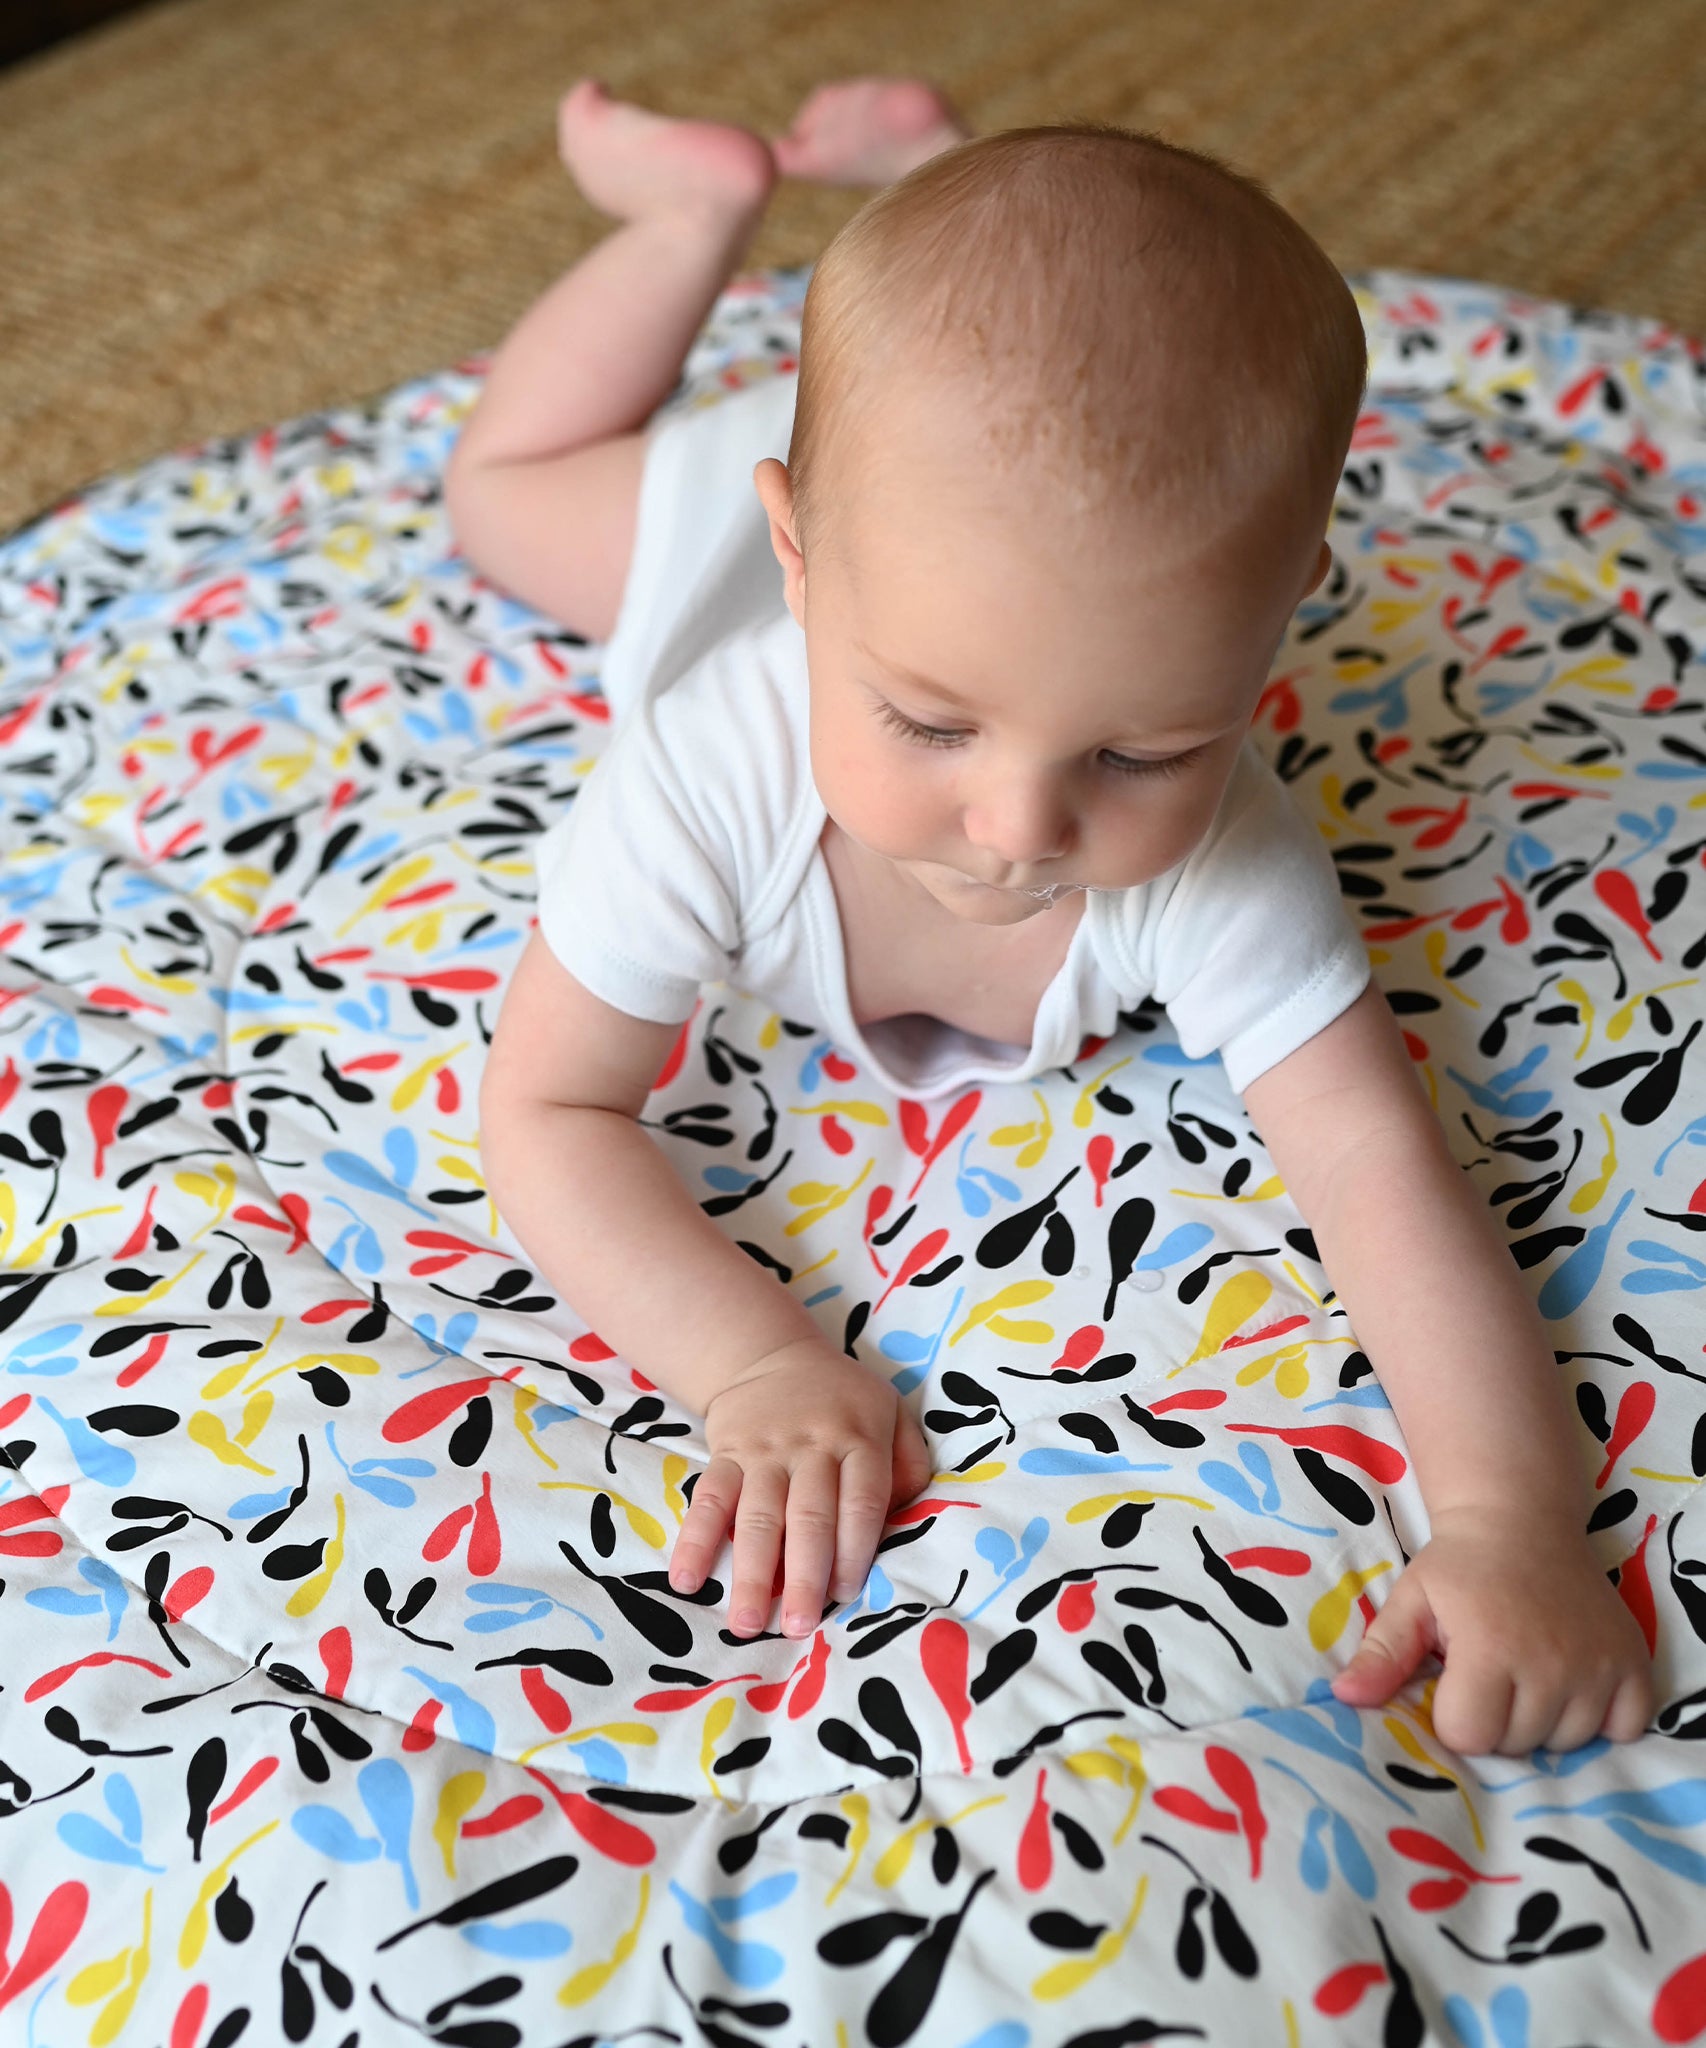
933, 670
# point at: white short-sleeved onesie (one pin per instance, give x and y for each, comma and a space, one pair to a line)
691, 854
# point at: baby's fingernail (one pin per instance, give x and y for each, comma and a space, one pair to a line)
797, 1624
748, 1617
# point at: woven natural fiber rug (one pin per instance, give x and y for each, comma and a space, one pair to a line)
218, 213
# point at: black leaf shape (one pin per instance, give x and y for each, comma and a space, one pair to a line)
857, 1941
1189, 1950
1059, 1929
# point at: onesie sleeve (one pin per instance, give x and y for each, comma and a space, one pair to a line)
1255, 951
637, 899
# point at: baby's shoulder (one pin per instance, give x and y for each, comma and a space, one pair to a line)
724, 755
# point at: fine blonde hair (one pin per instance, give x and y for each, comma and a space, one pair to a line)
1130, 322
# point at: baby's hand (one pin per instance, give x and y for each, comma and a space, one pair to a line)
1539, 1650
813, 1447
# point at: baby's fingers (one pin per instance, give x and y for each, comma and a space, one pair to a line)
865, 1486
710, 1511
810, 1543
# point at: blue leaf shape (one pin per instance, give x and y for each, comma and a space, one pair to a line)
325, 1829
750, 1964
106, 1464
906, 1347
1055, 1461
61, 1600
1176, 1245
1353, 1861
491, 1593
757, 1898
389, 1796
391, 1491
88, 1838
1312, 1858
122, 1803
253, 1505
489, 1624
972, 1198
1228, 1480
995, 1547
526, 1939
1257, 1463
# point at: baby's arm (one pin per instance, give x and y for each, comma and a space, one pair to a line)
804, 1440
1546, 1652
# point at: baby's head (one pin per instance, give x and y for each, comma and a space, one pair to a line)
1072, 406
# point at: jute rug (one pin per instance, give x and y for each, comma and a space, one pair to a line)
217, 213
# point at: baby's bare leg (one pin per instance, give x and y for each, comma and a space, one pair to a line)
543, 484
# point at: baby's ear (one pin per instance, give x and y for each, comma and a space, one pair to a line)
775, 490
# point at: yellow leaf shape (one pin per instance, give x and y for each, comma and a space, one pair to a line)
717, 1718
1328, 1616
769, 1032
38, 1244
891, 1865
977, 1476
113, 2015
588, 1983
1067, 1977
256, 1410
1022, 1332
1573, 992
285, 771
241, 887
458, 1799
397, 883
206, 1429
1100, 1504
194, 1936
1291, 1375
1032, 1153
857, 1808
1084, 1110
808, 1193
226, 1379
1094, 1763
1235, 1301
312, 1591
173, 984
1591, 1192
1247, 1375
1387, 614
406, 1091
1434, 945
459, 1169
1013, 1134
130, 1304
98, 1979
675, 1470
1020, 1295
1620, 1023
94, 811
855, 1112
837, 1196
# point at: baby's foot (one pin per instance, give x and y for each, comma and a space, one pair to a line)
867, 131
631, 162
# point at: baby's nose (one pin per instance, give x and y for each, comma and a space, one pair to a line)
1021, 821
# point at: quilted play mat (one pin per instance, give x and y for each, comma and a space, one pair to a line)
343, 1694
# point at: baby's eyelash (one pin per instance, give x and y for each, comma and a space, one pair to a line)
937, 736
925, 735
1170, 764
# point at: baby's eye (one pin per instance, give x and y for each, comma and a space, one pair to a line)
925, 735
1169, 764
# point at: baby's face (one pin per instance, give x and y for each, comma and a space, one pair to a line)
1006, 708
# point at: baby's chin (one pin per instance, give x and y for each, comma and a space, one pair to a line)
976, 902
